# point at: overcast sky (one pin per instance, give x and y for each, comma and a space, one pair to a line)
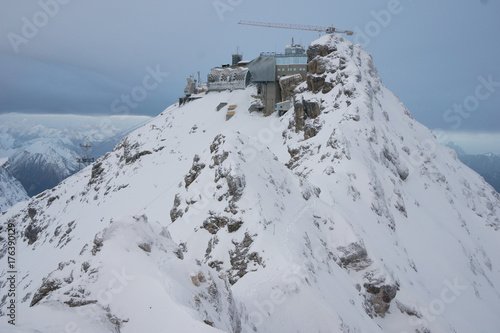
442, 59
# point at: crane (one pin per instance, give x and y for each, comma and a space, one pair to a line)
328, 30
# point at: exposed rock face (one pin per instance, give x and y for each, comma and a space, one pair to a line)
320, 50
379, 298
214, 223
316, 82
305, 109
326, 70
288, 85
194, 172
241, 258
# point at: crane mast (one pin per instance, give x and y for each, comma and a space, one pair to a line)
328, 30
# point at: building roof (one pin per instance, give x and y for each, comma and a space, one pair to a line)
263, 68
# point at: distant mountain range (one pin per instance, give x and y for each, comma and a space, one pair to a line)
42, 150
11, 190
487, 165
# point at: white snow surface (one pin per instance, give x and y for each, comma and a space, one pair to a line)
198, 224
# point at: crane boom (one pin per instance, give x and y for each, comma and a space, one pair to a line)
328, 30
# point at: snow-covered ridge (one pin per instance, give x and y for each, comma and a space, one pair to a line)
344, 215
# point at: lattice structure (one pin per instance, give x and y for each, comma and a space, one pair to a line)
228, 78
328, 30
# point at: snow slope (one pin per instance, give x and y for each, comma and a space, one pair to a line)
344, 215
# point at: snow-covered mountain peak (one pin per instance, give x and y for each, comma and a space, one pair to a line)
11, 191
344, 215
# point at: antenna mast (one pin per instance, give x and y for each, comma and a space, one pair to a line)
85, 159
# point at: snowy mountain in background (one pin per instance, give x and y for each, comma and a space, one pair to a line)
344, 215
487, 165
11, 191
42, 149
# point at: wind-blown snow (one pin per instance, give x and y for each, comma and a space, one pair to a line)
349, 217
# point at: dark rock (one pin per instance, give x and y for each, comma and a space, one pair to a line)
327, 87
380, 297
234, 226
31, 213
319, 50
145, 247
218, 159
214, 223
97, 170
236, 185
31, 232
288, 85
98, 243
313, 67
85, 266
51, 200
315, 83
179, 254
218, 141
216, 264
317, 66
47, 287
293, 152
175, 212
311, 109
135, 157
303, 110
240, 258
354, 257
309, 132
194, 172
74, 302
299, 115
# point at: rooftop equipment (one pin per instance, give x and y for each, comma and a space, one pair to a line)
190, 87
